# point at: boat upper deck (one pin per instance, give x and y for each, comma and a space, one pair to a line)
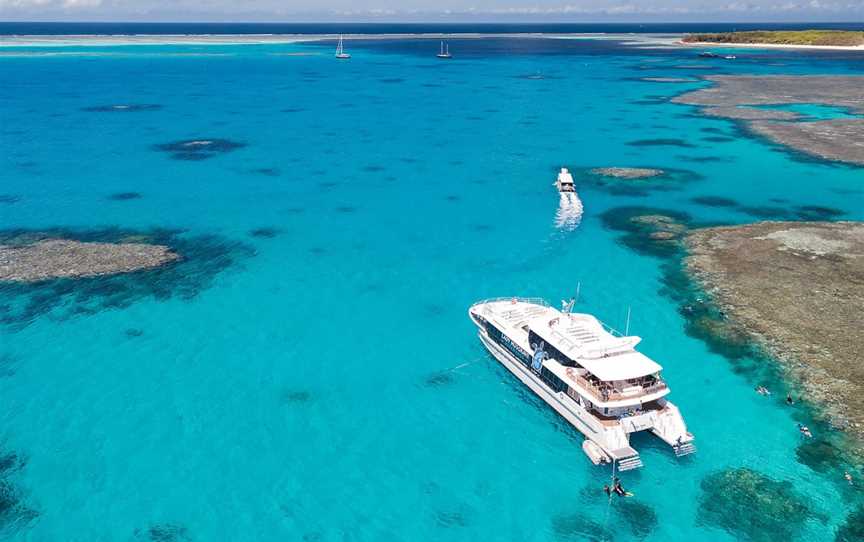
582, 338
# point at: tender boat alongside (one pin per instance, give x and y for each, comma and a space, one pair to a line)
587, 372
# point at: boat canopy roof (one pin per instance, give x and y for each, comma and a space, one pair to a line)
584, 340
623, 366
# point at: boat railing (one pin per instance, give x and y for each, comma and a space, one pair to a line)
532, 300
610, 393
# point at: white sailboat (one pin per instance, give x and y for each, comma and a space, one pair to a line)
445, 51
340, 50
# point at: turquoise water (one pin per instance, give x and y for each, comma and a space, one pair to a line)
311, 373
813, 112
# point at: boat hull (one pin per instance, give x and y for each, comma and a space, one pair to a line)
577, 416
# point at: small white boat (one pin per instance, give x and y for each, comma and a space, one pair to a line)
445, 51
565, 183
570, 209
340, 50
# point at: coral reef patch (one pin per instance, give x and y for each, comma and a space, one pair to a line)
752, 506
199, 149
124, 196
122, 108
199, 259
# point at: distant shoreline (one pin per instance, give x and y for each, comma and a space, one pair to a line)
103, 40
771, 45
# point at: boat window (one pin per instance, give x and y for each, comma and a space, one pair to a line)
553, 352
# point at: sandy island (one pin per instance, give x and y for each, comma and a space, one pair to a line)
64, 258
797, 289
771, 46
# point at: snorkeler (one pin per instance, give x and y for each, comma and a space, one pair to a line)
620, 491
607, 490
804, 430
848, 477
789, 400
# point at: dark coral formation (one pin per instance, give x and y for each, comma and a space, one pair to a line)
268, 171
296, 396
630, 183
852, 529
124, 196
714, 201
164, 532
13, 512
202, 257
823, 453
265, 233
122, 108
7, 366
639, 517
804, 212
199, 149
579, 528
648, 230
661, 142
439, 379
451, 519
752, 506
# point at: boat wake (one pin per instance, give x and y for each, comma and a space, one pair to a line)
569, 213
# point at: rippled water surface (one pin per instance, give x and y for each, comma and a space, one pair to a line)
309, 371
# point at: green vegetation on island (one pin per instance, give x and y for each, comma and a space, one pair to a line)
836, 38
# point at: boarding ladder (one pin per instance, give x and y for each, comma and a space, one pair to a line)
630, 463
684, 449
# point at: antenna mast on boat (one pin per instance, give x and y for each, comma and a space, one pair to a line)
627, 325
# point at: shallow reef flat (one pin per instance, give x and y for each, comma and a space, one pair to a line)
797, 289
750, 99
66, 272
65, 258
627, 172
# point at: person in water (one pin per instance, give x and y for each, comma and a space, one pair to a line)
619, 489
848, 477
607, 490
789, 400
804, 430
762, 390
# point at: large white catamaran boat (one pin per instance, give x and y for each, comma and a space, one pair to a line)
589, 373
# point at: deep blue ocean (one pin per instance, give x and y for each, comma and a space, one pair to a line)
308, 371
